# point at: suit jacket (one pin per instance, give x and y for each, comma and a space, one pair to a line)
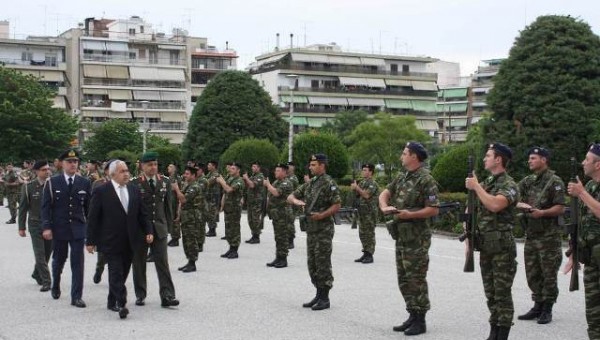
110, 228
63, 211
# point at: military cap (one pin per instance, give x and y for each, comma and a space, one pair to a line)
236, 164
318, 157
191, 169
255, 162
502, 149
200, 165
595, 149
538, 150
282, 165
149, 156
418, 149
369, 166
213, 162
69, 154
37, 165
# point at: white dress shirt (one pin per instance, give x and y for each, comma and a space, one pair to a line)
117, 187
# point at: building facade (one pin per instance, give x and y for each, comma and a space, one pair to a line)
482, 83
207, 62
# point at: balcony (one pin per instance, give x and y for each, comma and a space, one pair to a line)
133, 83
34, 65
165, 126
121, 59
342, 90
135, 105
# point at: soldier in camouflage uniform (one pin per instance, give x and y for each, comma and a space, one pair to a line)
293, 210
254, 204
542, 204
497, 196
11, 182
203, 183
589, 236
321, 199
177, 195
31, 203
366, 192
232, 208
412, 198
190, 219
2, 187
279, 213
213, 198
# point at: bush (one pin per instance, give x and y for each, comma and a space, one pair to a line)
308, 144
249, 150
168, 155
128, 157
450, 169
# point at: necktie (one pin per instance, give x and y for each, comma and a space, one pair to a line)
152, 187
124, 200
70, 184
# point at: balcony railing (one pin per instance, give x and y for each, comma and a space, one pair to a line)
46, 63
137, 105
133, 83
362, 90
126, 60
171, 126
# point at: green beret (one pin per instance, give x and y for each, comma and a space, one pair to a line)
149, 156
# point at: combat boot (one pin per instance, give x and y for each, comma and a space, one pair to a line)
233, 254
533, 312
404, 326
360, 259
212, 232
227, 253
11, 221
368, 258
255, 239
182, 268
418, 325
323, 302
546, 315
493, 332
272, 264
282, 263
174, 242
503, 333
314, 300
191, 267
291, 243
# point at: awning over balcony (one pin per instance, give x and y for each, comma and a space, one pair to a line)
366, 102
271, 59
97, 92
117, 72
147, 114
310, 58
143, 73
300, 121
372, 61
147, 95
398, 82
424, 106
343, 60
452, 107
94, 113
118, 106
398, 104
171, 47
120, 95
426, 124
351, 81
117, 46
316, 122
171, 75
173, 96
59, 102
424, 85
455, 122
94, 45
328, 101
173, 116
46, 76
297, 99
453, 93
94, 71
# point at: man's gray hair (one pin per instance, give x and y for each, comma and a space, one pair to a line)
112, 168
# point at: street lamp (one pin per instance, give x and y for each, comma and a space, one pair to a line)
293, 77
144, 125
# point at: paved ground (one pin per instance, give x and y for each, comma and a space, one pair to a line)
243, 299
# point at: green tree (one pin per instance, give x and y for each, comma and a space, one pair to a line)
383, 139
231, 107
31, 128
344, 123
248, 150
450, 169
547, 92
309, 143
114, 134
169, 154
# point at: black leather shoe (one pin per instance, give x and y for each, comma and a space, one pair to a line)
174, 242
183, 267
282, 263
140, 302
321, 304
233, 255
112, 307
97, 277
224, 238
368, 258
271, 264
78, 303
123, 311
45, 287
212, 232
313, 301
11, 221
360, 259
55, 293
226, 254
169, 302
191, 267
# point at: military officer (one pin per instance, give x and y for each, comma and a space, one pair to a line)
190, 215
232, 207
498, 196
11, 183
31, 204
412, 198
293, 210
213, 197
256, 196
321, 199
202, 205
367, 193
278, 211
542, 203
155, 192
176, 197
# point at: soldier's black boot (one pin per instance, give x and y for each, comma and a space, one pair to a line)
227, 253
368, 258
493, 332
212, 232
291, 243
282, 263
314, 300
174, 242
323, 302
418, 325
191, 267
255, 239
233, 254
546, 315
182, 268
272, 264
11, 221
533, 312
404, 326
360, 259
503, 333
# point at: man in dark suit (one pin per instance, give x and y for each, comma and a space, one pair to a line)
156, 196
118, 226
64, 209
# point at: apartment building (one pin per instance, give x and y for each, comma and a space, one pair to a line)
207, 62
454, 111
482, 83
322, 80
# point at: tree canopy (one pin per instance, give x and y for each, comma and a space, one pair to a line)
31, 128
248, 150
344, 123
231, 107
309, 143
547, 93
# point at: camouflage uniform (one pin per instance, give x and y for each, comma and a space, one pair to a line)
202, 207
190, 220
11, 181
367, 215
278, 211
292, 210
2, 188
233, 211
497, 258
319, 234
413, 190
589, 242
255, 196
175, 228
543, 243
213, 200
31, 203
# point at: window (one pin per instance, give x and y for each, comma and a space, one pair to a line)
132, 55
405, 68
50, 59
27, 56
132, 31
142, 29
314, 84
153, 57
174, 57
142, 53
394, 68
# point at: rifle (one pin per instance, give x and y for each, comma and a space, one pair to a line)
263, 206
572, 229
469, 219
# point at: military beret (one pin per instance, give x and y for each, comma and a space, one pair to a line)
191, 169
255, 163
319, 157
291, 163
149, 156
229, 163
200, 165
282, 165
538, 150
213, 162
69, 154
236, 164
37, 165
502, 149
418, 149
369, 166
595, 148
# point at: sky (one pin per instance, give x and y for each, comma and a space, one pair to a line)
464, 31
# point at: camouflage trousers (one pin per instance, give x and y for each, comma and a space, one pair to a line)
542, 261
591, 282
212, 214
319, 246
254, 213
202, 231
190, 231
175, 230
498, 273
292, 213
280, 229
232, 227
42, 249
366, 231
412, 263
12, 198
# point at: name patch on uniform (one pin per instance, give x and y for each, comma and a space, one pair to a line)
333, 188
558, 188
432, 198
